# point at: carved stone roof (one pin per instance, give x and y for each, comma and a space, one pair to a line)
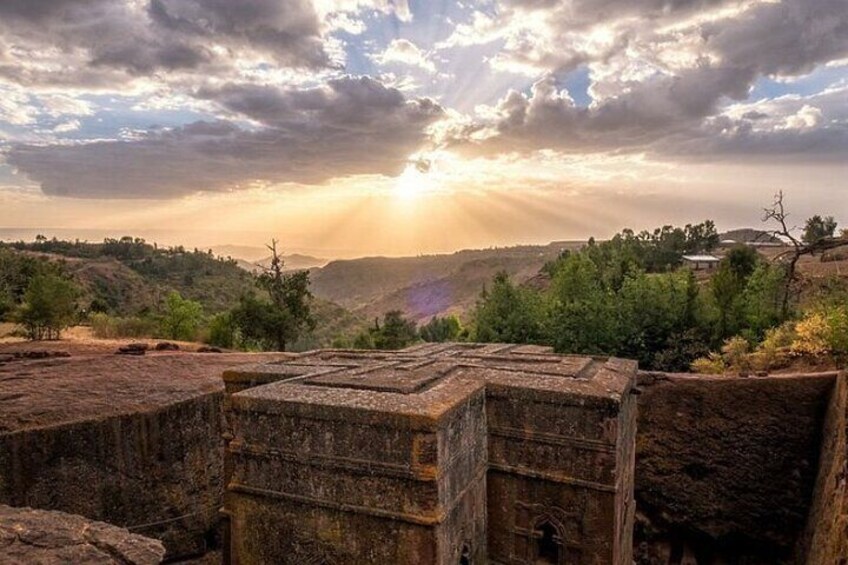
422, 383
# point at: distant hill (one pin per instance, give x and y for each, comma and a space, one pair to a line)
750, 235
248, 253
293, 262
429, 284
250, 258
130, 277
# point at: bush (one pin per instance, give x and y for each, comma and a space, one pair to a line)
735, 356
680, 349
811, 335
837, 335
772, 352
363, 340
713, 364
441, 329
222, 331
114, 327
735, 353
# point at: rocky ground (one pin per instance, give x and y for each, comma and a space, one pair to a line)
93, 381
43, 537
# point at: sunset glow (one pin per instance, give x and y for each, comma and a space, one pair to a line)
394, 127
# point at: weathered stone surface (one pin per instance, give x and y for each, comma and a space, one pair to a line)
133, 349
826, 541
432, 454
133, 441
41, 537
725, 466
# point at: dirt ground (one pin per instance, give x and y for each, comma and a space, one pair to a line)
77, 340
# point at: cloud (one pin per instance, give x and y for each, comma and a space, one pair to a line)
672, 117
661, 74
103, 43
792, 128
405, 52
348, 126
16, 107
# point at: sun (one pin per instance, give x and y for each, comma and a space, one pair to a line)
412, 183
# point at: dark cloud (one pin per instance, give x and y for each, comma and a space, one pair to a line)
732, 140
350, 126
353, 104
287, 29
677, 116
783, 38
670, 111
41, 11
149, 58
97, 37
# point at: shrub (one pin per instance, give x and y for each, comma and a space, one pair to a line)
222, 331
712, 364
771, 353
735, 353
811, 335
114, 327
441, 329
363, 340
837, 334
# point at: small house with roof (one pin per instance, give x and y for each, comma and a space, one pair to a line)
703, 262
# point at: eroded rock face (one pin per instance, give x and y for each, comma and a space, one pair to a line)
826, 542
47, 537
132, 441
725, 467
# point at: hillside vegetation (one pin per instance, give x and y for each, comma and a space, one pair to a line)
129, 276
427, 285
131, 281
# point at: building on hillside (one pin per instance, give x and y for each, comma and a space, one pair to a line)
434, 455
701, 262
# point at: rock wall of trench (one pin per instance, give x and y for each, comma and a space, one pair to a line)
726, 467
826, 541
157, 473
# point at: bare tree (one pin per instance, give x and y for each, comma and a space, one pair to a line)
798, 248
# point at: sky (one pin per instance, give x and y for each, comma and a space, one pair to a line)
398, 127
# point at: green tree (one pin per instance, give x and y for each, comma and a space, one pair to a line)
275, 323
655, 311
584, 313
727, 286
396, 332
508, 314
818, 228
7, 304
762, 300
182, 317
443, 329
742, 260
251, 320
222, 331
49, 306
